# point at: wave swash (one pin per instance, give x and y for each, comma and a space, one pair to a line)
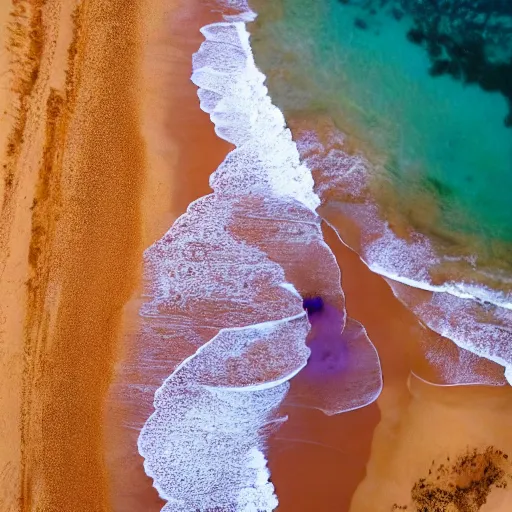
226, 284
477, 319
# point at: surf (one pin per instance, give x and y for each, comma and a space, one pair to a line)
226, 285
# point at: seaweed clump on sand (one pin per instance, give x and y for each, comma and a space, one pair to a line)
462, 485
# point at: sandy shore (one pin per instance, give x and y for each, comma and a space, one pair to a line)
100, 118
420, 424
183, 150
71, 242
104, 146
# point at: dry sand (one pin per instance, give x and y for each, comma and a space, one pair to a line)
104, 146
70, 241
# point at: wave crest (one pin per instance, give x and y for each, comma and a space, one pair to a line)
226, 284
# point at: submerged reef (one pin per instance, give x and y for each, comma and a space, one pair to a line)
469, 40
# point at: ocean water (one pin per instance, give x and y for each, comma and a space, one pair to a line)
401, 109
354, 130
436, 134
226, 285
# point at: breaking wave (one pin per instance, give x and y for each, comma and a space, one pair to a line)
226, 285
410, 159
476, 318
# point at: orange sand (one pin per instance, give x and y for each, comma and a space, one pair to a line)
370, 459
70, 242
419, 423
104, 146
183, 151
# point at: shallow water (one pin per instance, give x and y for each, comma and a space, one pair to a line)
440, 142
225, 284
403, 118
224, 287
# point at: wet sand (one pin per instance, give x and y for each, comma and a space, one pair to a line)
419, 422
332, 452
336, 463
376, 457
183, 150
419, 446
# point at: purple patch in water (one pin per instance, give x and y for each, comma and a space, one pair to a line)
313, 304
328, 349
343, 371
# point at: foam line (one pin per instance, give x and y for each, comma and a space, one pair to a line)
231, 273
203, 445
383, 252
474, 317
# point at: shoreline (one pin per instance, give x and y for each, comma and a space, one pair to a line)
118, 152
183, 151
359, 426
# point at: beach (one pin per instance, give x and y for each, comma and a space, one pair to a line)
104, 147
71, 235
182, 151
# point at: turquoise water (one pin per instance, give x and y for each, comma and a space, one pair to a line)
438, 136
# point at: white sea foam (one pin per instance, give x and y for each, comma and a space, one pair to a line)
384, 252
204, 449
476, 318
242, 11
236, 264
232, 92
203, 445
